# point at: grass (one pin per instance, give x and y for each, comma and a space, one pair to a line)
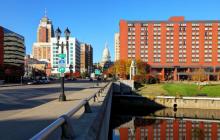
174, 89
153, 90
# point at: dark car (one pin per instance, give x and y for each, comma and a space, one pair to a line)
32, 82
99, 79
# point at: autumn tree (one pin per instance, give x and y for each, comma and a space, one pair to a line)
121, 68
199, 75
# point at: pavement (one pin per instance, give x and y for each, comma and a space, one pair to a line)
19, 98
10, 85
25, 124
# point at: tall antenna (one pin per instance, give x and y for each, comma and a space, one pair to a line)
45, 12
106, 44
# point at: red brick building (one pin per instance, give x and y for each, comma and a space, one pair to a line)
174, 48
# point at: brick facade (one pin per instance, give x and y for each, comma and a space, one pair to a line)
173, 46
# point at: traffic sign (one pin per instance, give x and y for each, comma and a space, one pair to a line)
62, 63
62, 69
61, 55
92, 75
97, 72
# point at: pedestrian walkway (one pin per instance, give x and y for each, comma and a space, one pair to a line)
10, 85
27, 123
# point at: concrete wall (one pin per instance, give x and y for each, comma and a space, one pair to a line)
188, 102
123, 86
129, 83
189, 113
100, 127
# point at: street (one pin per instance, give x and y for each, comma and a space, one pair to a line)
15, 99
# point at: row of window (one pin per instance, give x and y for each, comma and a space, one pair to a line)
171, 24
171, 34
170, 54
182, 60
182, 31
194, 46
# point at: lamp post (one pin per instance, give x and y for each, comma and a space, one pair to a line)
62, 96
71, 71
45, 70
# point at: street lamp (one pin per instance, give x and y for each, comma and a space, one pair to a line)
71, 71
45, 70
67, 35
62, 96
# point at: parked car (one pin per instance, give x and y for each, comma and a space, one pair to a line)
45, 81
31, 82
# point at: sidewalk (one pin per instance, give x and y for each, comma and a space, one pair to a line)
10, 85
26, 124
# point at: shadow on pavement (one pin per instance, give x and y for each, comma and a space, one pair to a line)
27, 98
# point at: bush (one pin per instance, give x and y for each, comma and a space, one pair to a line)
139, 79
153, 80
137, 85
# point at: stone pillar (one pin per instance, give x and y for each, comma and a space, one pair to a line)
162, 74
175, 74
188, 70
214, 71
208, 78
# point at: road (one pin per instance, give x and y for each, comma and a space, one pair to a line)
15, 99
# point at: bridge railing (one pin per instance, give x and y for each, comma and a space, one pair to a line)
64, 120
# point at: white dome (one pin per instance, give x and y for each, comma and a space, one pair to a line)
106, 54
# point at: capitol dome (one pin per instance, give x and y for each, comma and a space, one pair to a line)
106, 54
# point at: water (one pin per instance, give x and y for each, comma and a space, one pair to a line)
163, 124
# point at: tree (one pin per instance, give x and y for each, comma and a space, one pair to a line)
121, 68
199, 75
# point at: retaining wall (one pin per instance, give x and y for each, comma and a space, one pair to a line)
188, 102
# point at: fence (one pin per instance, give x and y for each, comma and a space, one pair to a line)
64, 120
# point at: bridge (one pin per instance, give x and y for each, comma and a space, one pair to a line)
86, 114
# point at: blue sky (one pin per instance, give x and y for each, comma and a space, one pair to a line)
96, 21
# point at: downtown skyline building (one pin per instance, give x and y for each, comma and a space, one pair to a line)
173, 48
12, 53
86, 58
41, 48
72, 54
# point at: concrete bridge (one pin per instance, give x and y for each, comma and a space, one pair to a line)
85, 115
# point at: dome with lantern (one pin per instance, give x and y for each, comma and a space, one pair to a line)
106, 54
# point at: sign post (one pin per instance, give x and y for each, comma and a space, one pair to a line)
62, 69
97, 73
62, 64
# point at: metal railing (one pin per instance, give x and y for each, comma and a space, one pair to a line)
64, 120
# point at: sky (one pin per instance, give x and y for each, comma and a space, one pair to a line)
96, 21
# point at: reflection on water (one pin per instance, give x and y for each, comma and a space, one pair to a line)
184, 124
